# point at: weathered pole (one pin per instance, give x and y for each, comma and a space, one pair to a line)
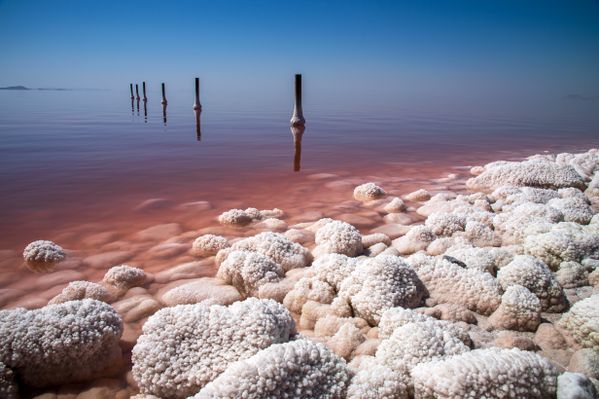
197, 106
297, 119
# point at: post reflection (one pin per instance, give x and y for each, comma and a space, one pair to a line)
138, 106
297, 132
164, 113
145, 111
132, 105
198, 130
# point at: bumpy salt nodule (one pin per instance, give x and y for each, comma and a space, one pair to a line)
360, 315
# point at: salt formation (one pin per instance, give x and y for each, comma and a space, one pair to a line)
125, 277
582, 322
183, 348
80, 290
338, 237
534, 275
368, 192
520, 310
420, 195
532, 173
575, 386
236, 217
208, 245
248, 271
417, 239
61, 343
375, 380
447, 282
274, 245
43, 254
572, 275
378, 284
486, 373
296, 369
8, 386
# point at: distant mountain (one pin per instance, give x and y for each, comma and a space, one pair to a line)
579, 97
15, 88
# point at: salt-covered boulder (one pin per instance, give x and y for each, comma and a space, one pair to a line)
581, 322
42, 254
368, 192
80, 290
183, 348
235, 217
248, 271
62, 343
486, 373
448, 282
572, 275
533, 173
445, 223
417, 239
295, 369
381, 283
484, 259
420, 195
574, 209
277, 247
534, 275
125, 277
520, 310
375, 380
575, 386
208, 245
338, 237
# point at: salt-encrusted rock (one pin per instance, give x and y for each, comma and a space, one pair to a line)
333, 269
534, 275
417, 239
532, 173
275, 213
183, 348
277, 247
447, 282
380, 283
451, 312
524, 220
248, 271
572, 275
594, 278
62, 343
511, 339
420, 195
417, 342
375, 380
368, 192
483, 259
396, 205
481, 235
212, 290
585, 361
486, 373
299, 236
338, 237
208, 245
564, 242
574, 209
80, 290
520, 310
585, 163
125, 277
235, 217
445, 224
297, 369
8, 386
272, 224
43, 254
376, 238
582, 322
575, 386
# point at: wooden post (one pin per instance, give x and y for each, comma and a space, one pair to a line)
137, 91
297, 119
198, 125
131, 88
163, 102
197, 106
144, 90
297, 132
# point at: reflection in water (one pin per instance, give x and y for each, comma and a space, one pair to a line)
137, 106
297, 132
145, 110
163, 102
198, 131
132, 105
164, 113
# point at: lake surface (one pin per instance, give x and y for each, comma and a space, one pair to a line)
86, 158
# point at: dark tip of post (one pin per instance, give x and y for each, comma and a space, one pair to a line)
163, 94
297, 119
298, 88
144, 90
196, 105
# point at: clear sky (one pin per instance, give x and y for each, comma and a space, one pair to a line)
372, 50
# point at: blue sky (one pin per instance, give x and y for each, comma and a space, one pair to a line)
372, 50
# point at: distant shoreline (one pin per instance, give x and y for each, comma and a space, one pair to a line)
23, 88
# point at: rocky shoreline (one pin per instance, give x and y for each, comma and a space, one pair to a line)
487, 289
